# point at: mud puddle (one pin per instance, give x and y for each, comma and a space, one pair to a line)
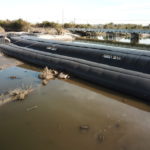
70, 115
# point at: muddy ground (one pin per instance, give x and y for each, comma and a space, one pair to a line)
6, 62
69, 114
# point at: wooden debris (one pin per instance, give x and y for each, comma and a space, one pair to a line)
63, 76
84, 127
100, 137
31, 108
13, 77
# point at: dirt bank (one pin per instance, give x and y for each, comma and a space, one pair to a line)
6, 62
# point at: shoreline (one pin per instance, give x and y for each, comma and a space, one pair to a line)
7, 62
114, 43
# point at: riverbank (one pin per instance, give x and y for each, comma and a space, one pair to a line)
114, 43
6, 62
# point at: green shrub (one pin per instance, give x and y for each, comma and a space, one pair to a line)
69, 25
46, 24
15, 25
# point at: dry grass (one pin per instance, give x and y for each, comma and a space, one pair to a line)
20, 94
13, 95
49, 74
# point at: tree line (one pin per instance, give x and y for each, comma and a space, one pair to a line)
107, 26
22, 25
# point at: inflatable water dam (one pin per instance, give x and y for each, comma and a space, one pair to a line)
122, 69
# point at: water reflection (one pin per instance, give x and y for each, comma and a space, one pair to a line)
127, 40
24, 78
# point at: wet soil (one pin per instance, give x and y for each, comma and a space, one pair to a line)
70, 115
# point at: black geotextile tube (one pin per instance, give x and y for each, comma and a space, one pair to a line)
120, 57
123, 80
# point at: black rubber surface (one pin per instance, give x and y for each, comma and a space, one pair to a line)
119, 57
118, 78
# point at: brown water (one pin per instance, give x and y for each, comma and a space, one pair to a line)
51, 117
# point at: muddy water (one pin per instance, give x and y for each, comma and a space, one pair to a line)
24, 79
70, 115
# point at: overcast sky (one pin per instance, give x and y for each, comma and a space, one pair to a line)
80, 11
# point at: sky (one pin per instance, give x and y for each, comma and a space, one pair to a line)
78, 11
